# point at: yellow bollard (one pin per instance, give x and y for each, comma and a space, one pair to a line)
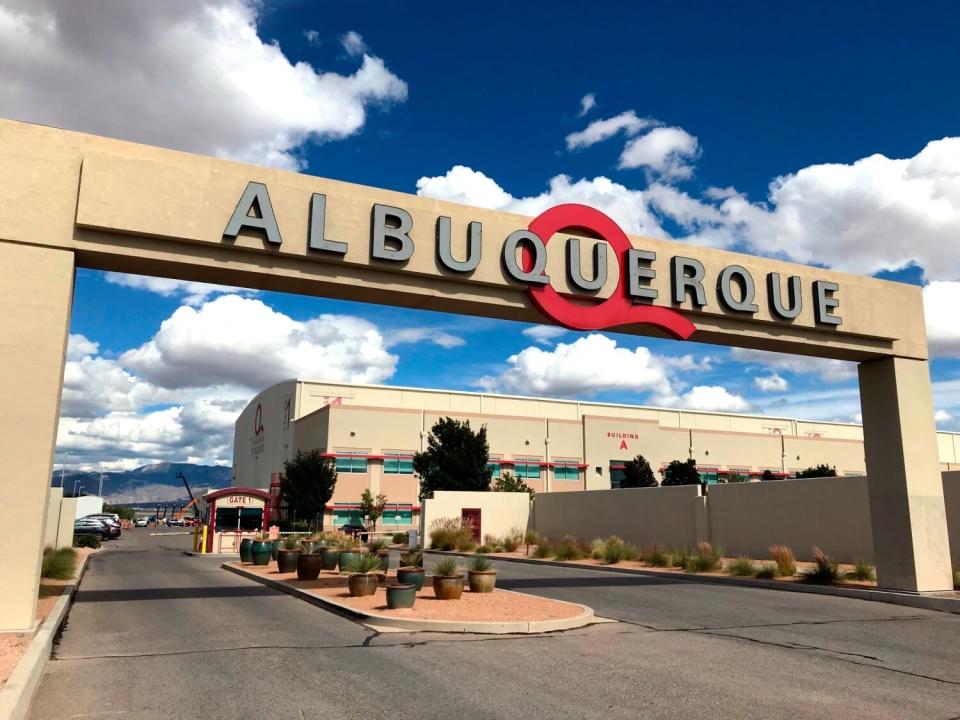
203, 540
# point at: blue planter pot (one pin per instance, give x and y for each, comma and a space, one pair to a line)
245, 546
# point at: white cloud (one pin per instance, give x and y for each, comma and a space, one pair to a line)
828, 370
414, 335
79, 345
587, 103
471, 187
242, 341
192, 293
600, 130
312, 36
544, 334
771, 383
942, 416
941, 305
353, 43
588, 365
667, 152
188, 75
713, 398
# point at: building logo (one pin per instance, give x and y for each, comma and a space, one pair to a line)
619, 308
258, 421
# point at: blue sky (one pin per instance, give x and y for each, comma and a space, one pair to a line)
745, 92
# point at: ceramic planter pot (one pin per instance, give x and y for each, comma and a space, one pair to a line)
261, 552
362, 584
245, 555
308, 566
345, 556
276, 548
384, 556
448, 588
401, 596
411, 576
329, 556
287, 560
482, 581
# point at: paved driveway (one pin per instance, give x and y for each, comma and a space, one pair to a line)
156, 634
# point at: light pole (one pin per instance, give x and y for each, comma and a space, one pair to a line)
63, 467
100, 490
75, 483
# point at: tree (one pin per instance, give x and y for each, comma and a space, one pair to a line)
122, 512
372, 508
308, 482
509, 483
638, 473
817, 472
681, 472
455, 459
768, 475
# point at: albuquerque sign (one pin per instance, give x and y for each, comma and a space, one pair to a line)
523, 256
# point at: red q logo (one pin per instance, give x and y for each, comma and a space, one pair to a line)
258, 420
616, 310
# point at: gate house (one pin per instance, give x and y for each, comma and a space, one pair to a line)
235, 513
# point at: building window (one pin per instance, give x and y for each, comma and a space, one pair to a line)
351, 462
709, 475
344, 516
494, 467
566, 470
398, 464
397, 517
616, 473
527, 468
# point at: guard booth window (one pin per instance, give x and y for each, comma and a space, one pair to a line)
234, 518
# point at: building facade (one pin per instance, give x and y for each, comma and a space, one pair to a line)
373, 431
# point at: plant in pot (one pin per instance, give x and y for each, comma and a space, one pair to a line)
363, 569
245, 545
481, 575
411, 570
379, 548
288, 554
349, 548
308, 561
447, 579
261, 550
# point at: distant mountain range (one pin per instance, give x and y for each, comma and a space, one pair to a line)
149, 483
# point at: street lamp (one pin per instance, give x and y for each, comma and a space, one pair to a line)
75, 483
63, 466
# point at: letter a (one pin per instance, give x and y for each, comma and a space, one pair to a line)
255, 195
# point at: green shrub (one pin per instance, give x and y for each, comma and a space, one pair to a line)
631, 553
785, 560
568, 549
483, 549
543, 550
466, 545
825, 571
597, 547
400, 538
479, 563
680, 557
498, 549
513, 540
492, 540
707, 558
862, 571
411, 558
956, 579
362, 563
290, 542
531, 538
447, 567
86, 540
59, 564
742, 567
450, 534
377, 545
657, 555
767, 571
613, 550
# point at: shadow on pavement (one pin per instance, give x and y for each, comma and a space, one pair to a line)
583, 582
172, 593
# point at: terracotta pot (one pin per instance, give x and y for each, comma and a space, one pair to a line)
482, 581
412, 576
261, 551
448, 588
245, 555
362, 584
287, 560
308, 566
329, 556
401, 596
344, 557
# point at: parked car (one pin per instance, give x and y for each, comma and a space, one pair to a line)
92, 526
141, 522
357, 530
107, 519
174, 522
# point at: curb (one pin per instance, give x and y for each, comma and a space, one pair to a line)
383, 622
893, 597
197, 553
17, 694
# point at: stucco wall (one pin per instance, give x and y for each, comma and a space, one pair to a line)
499, 512
832, 513
68, 513
52, 522
951, 498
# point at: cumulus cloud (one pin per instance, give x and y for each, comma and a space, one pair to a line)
170, 73
587, 103
771, 383
667, 152
942, 416
191, 293
832, 371
600, 130
941, 305
713, 398
544, 334
414, 335
312, 36
353, 43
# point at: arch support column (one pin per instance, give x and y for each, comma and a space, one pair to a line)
36, 292
906, 487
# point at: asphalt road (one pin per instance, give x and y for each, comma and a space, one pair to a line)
156, 634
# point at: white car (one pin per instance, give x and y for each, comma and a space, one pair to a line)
140, 522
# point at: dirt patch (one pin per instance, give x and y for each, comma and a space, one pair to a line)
498, 606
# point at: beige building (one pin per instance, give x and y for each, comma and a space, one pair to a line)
372, 431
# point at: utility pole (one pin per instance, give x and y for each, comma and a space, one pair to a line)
100, 490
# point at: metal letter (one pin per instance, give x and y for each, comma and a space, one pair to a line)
474, 246
380, 231
725, 289
793, 292
575, 274
318, 218
683, 282
255, 197
824, 302
638, 270
536, 274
